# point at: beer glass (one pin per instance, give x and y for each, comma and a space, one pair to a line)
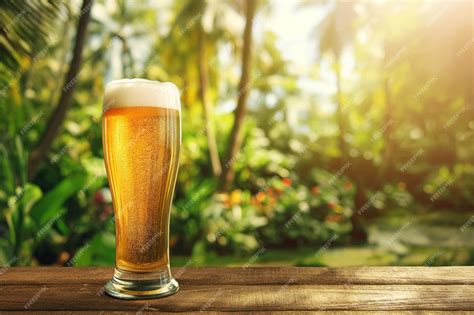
141, 135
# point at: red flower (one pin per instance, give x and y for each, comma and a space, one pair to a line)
286, 181
106, 212
99, 197
315, 190
331, 205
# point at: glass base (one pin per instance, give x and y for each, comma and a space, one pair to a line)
138, 286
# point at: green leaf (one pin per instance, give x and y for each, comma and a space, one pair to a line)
11, 227
50, 204
62, 226
7, 170
21, 159
31, 194
100, 251
24, 28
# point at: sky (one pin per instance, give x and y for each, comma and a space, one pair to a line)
296, 26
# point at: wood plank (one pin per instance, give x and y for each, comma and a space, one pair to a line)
253, 313
255, 275
51, 275
245, 298
318, 275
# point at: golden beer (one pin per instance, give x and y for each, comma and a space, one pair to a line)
141, 152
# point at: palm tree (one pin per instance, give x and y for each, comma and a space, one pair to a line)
23, 27
202, 24
57, 118
125, 23
236, 136
336, 32
207, 107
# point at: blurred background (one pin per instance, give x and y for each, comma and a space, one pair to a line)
315, 133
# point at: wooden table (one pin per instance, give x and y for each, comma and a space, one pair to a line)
290, 289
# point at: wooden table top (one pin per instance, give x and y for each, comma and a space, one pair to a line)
289, 289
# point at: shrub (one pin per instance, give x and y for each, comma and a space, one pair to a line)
452, 187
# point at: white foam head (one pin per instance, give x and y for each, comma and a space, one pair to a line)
141, 92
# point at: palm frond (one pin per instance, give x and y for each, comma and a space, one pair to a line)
24, 28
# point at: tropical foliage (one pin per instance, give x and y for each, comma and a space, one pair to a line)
376, 130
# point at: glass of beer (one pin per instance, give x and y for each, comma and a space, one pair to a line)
141, 133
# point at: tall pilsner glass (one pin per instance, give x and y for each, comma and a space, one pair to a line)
141, 133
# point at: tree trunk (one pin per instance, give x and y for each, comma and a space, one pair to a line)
389, 159
52, 127
207, 107
126, 58
339, 113
185, 97
236, 135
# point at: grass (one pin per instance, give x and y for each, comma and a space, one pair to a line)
338, 257
433, 239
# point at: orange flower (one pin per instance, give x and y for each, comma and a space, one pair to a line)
315, 190
63, 258
273, 200
286, 181
333, 218
224, 198
347, 185
331, 205
260, 197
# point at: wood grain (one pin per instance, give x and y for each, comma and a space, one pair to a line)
256, 275
272, 289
